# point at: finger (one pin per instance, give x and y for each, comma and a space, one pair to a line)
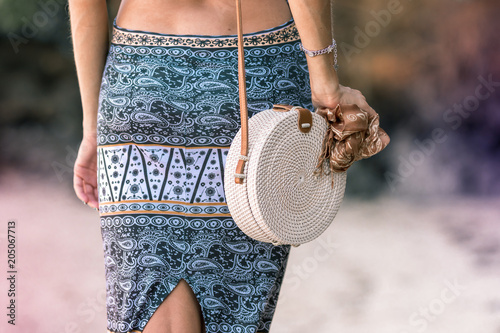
368, 109
363, 105
90, 192
89, 189
79, 188
94, 204
88, 196
94, 199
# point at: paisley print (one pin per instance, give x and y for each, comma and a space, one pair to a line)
168, 111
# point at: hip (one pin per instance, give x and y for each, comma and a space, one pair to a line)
183, 89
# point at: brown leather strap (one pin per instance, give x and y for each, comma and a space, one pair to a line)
304, 120
282, 107
243, 96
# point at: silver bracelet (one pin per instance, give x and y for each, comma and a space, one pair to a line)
314, 53
328, 49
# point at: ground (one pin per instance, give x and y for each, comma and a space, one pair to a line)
388, 265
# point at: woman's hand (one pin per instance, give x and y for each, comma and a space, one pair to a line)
85, 172
329, 95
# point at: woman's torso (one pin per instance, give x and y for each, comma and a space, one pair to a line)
201, 17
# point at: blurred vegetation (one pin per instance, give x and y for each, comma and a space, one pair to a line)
423, 63
412, 66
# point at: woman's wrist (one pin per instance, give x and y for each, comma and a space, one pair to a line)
90, 134
322, 72
322, 66
89, 122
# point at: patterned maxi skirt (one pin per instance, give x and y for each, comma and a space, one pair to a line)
168, 111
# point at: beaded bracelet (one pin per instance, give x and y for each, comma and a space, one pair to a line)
327, 49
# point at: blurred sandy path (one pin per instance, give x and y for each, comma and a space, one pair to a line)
385, 266
61, 264
398, 266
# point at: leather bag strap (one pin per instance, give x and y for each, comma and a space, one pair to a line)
243, 98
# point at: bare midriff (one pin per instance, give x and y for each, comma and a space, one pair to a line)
201, 17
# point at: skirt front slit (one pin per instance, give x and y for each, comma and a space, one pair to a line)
168, 111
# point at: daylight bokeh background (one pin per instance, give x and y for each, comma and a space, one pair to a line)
415, 246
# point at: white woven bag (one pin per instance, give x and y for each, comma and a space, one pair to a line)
269, 185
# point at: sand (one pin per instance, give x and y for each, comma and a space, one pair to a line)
388, 265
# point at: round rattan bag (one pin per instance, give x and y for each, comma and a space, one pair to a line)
281, 201
273, 190
270, 186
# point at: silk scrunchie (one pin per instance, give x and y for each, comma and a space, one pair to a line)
353, 134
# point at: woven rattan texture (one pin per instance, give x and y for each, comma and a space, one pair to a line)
281, 201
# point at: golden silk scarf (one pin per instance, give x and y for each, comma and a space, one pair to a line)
353, 134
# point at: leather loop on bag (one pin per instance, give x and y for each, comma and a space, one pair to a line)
305, 116
304, 120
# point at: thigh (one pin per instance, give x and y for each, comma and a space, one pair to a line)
179, 312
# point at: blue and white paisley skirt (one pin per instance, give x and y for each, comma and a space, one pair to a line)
168, 111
